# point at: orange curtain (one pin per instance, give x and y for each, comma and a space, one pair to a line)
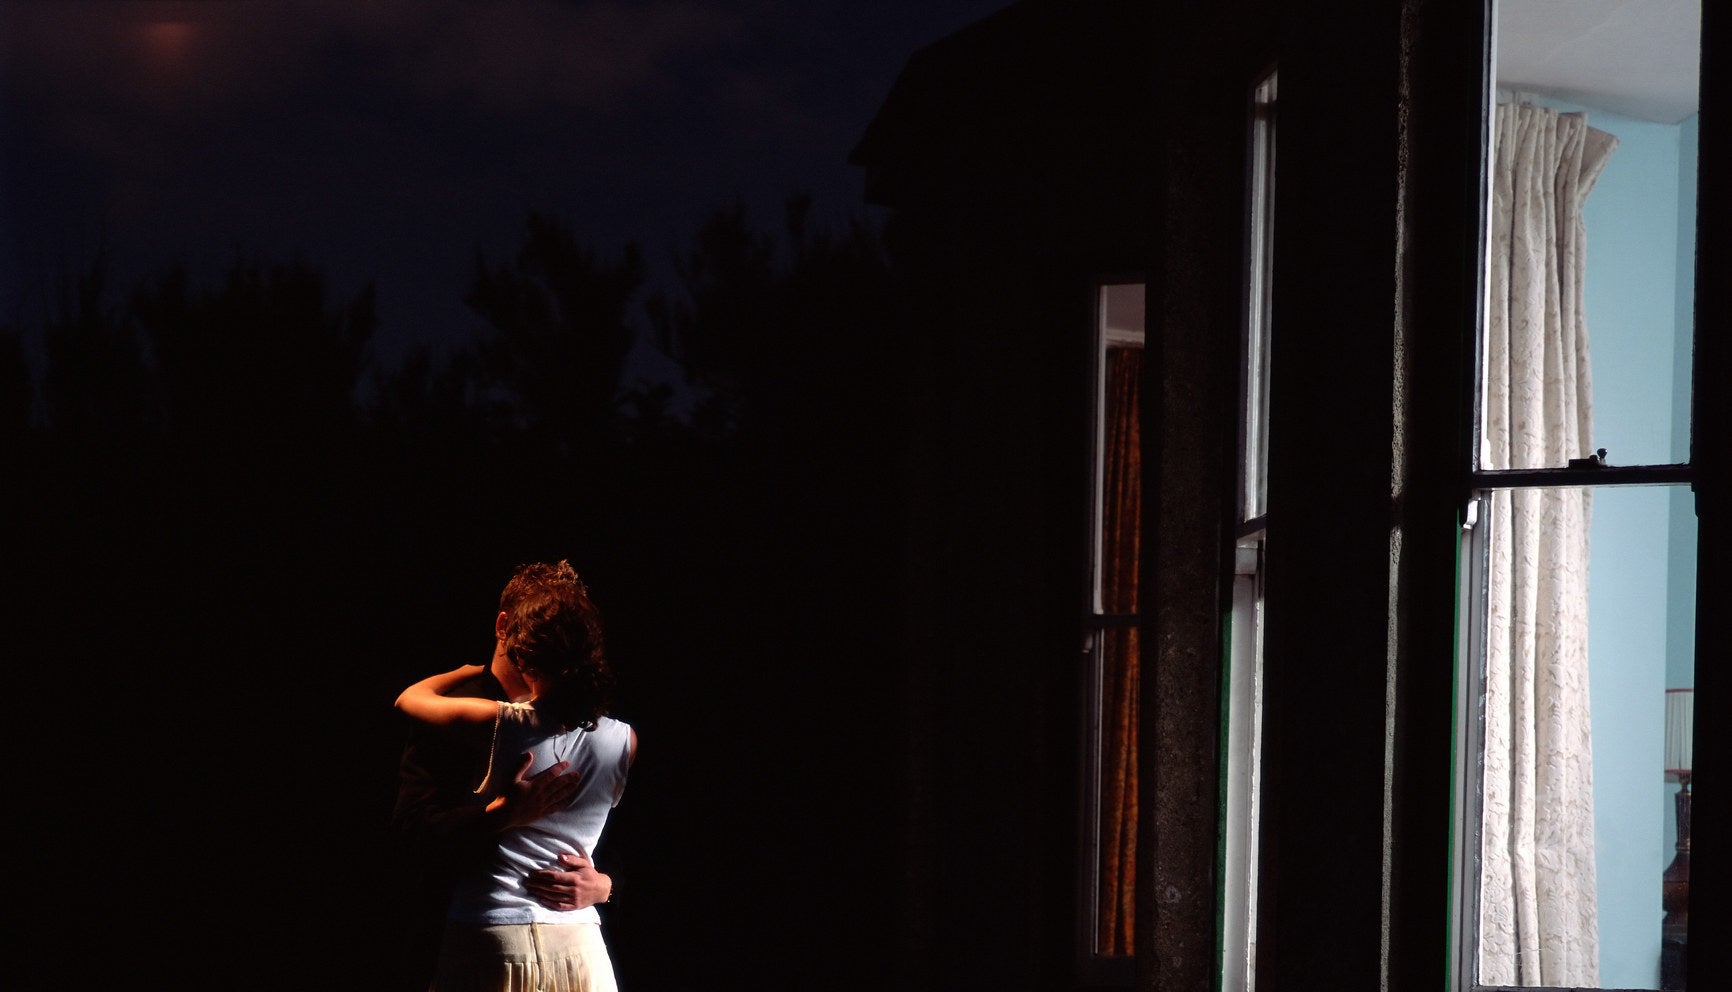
1121, 540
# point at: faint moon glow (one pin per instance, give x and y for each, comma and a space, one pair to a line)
168, 42
168, 50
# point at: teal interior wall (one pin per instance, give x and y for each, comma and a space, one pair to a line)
1637, 301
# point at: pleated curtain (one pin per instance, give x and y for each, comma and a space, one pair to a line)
1537, 901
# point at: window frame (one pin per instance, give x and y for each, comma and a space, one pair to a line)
1703, 473
1253, 496
1093, 967
1239, 841
1470, 720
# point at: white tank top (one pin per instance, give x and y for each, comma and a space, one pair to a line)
493, 892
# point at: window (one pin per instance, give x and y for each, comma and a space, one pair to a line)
1242, 694
1579, 548
1259, 272
1111, 668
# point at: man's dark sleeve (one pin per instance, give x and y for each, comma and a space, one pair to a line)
438, 819
438, 827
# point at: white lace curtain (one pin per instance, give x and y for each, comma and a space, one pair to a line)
1537, 887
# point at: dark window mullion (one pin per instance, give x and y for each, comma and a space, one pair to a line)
1565, 478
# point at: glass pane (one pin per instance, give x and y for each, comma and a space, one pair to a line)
1114, 658
1121, 481
1588, 625
1260, 258
1116, 909
1591, 248
1242, 787
1117, 446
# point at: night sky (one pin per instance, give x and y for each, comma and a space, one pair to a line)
386, 142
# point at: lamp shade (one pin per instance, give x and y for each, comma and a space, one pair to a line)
1680, 719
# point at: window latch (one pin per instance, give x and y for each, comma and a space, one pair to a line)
1596, 460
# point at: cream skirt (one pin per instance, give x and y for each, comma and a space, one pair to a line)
529, 957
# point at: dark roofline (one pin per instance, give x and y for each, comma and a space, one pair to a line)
1036, 71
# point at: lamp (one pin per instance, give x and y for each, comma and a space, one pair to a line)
1680, 710
1675, 882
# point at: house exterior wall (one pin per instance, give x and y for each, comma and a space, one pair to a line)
1376, 296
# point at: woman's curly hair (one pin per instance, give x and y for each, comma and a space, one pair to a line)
554, 631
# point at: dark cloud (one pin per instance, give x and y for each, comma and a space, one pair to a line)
494, 56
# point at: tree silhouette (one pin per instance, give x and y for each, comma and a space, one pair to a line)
779, 522
560, 335
423, 397
715, 328
263, 360
17, 392
769, 336
96, 384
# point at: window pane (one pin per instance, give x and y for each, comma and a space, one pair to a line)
1122, 481
1586, 625
1118, 466
1242, 786
1590, 269
1116, 911
1121, 515
1254, 389
1114, 659
1242, 697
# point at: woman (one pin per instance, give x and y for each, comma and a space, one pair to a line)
498, 937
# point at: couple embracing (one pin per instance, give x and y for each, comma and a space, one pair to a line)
508, 782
